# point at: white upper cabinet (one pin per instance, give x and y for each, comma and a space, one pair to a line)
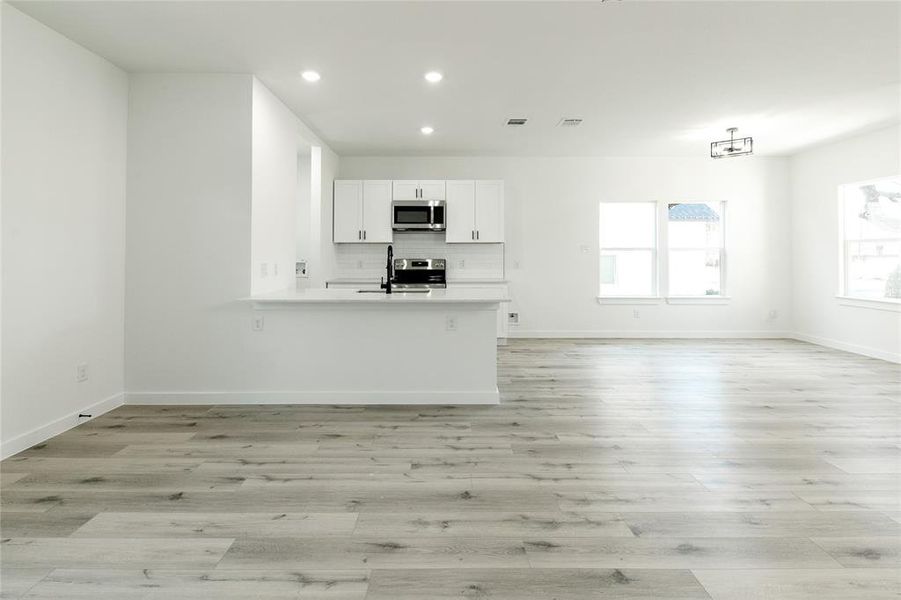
418, 190
362, 209
362, 212
489, 211
406, 190
475, 211
348, 212
432, 190
461, 211
377, 211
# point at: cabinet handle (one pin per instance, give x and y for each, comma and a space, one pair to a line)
359, 234
364, 234
472, 234
477, 234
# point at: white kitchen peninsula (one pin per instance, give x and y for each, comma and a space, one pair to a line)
339, 346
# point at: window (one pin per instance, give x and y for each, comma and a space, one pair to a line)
691, 265
870, 224
628, 257
695, 236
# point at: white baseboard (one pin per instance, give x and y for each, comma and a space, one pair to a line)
894, 357
323, 397
625, 334
45, 432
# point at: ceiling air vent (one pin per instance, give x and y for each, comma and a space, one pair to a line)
516, 122
569, 123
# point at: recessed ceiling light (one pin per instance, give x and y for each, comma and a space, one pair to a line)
427, 130
433, 76
311, 76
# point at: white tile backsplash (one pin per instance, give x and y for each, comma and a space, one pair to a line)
464, 261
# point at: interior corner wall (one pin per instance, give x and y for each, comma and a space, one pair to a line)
819, 316
304, 213
63, 225
551, 253
189, 336
275, 142
325, 265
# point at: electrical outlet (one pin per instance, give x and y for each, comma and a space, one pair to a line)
275, 269
451, 323
264, 270
585, 249
773, 315
461, 263
359, 264
257, 324
636, 314
81, 372
513, 318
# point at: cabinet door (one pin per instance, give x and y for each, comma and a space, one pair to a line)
489, 207
460, 215
348, 216
377, 211
405, 190
432, 190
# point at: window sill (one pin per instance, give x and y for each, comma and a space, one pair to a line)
698, 300
888, 305
629, 299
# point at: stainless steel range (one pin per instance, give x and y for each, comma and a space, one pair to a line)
419, 273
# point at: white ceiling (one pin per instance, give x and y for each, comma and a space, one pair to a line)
648, 78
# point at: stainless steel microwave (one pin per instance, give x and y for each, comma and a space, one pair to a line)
418, 215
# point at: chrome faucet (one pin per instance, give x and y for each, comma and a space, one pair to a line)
389, 268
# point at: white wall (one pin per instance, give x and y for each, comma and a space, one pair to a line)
324, 167
188, 326
303, 212
552, 212
63, 226
819, 316
189, 224
275, 142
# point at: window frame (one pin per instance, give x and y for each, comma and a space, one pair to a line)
843, 293
655, 257
664, 217
660, 258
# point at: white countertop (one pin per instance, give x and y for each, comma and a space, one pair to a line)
373, 280
333, 296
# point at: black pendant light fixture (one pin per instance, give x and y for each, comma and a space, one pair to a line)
732, 147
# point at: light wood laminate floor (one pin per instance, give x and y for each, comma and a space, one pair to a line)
621, 469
